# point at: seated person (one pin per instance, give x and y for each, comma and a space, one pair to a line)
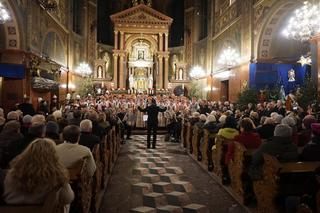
52, 131
10, 140
311, 150
267, 129
70, 152
305, 133
229, 129
289, 120
212, 128
37, 130
96, 128
248, 137
200, 125
281, 147
35, 173
76, 118
87, 138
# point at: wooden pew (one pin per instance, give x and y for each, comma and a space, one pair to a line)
81, 184
204, 147
189, 138
267, 188
104, 160
51, 205
183, 132
218, 154
195, 141
237, 168
97, 178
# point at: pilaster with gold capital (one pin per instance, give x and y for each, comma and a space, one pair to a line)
115, 69
121, 70
121, 40
166, 45
166, 71
116, 35
160, 41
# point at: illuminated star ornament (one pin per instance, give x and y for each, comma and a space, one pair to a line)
305, 61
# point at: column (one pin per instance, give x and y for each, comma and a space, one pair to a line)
166, 72
121, 72
315, 54
166, 44
115, 70
160, 42
160, 79
121, 40
116, 39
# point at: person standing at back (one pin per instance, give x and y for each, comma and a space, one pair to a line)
152, 122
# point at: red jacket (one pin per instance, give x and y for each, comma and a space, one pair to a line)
250, 140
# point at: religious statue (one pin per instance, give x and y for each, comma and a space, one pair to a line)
291, 75
174, 65
131, 81
150, 82
180, 74
99, 72
282, 94
106, 59
140, 55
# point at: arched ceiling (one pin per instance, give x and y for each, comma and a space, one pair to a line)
171, 8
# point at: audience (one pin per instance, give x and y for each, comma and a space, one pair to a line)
35, 173
281, 147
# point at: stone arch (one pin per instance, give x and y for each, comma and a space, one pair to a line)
133, 38
13, 28
53, 46
271, 25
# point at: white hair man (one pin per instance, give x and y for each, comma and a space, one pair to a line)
87, 138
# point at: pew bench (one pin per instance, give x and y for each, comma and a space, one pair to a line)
267, 189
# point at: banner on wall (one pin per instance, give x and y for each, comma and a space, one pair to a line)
12, 71
289, 76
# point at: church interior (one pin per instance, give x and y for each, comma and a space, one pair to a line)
227, 89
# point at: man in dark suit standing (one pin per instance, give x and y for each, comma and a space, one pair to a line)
152, 122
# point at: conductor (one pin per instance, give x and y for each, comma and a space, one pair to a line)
152, 122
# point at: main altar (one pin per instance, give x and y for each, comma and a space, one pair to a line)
140, 54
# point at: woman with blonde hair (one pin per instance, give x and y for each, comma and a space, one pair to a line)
35, 173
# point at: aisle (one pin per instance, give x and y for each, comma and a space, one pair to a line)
162, 180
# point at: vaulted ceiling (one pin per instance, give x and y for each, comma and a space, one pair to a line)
172, 8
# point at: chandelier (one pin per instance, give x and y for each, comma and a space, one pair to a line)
304, 23
229, 57
197, 72
4, 14
49, 5
84, 69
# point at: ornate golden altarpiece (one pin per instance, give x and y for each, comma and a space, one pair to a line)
141, 55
